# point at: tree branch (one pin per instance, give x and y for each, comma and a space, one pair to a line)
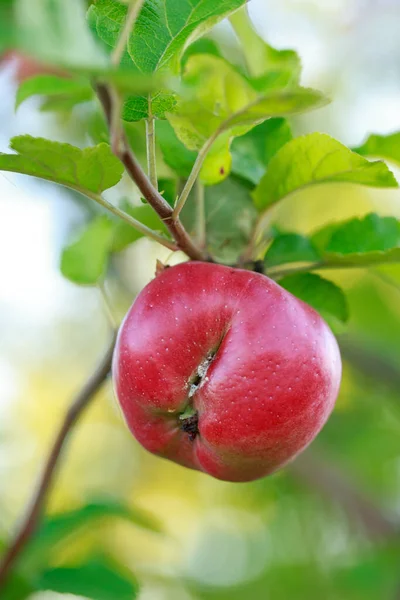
153, 197
369, 361
330, 482
38, 501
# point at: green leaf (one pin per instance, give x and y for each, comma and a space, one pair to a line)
168, 189
55, 87
201, 46
221, 102
16, 587
374, 575
161, 33
290, 248
217, 163
274, 80
6, 25
277, 103
122, 78
85, 261
97, 127
162, 30
55, 31
98, 579
323, 295
230, 217
137, 108
220, 99
64, 93
59, 527
321, 237
360, 242
252, 152
124, 234
385, 146
98, 131
59, 34
175, 153
106, 19
369, 234
89, 171
62, 104
261, 58
314, 159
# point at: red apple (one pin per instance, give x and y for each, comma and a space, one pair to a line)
224, 371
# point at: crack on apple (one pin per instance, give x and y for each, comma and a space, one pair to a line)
189, 419
200, 376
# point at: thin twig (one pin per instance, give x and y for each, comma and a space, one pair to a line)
153, 197
249, 41
132, 221
151, 147
193, 176
108, 307
200, 215
258, 239
250, 250
133, 13
281, 271
278, 272
38, 501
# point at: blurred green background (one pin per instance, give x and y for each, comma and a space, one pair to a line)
324, 528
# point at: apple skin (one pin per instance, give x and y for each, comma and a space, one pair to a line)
272, 378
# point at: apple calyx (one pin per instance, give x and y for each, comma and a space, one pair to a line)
189, 422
